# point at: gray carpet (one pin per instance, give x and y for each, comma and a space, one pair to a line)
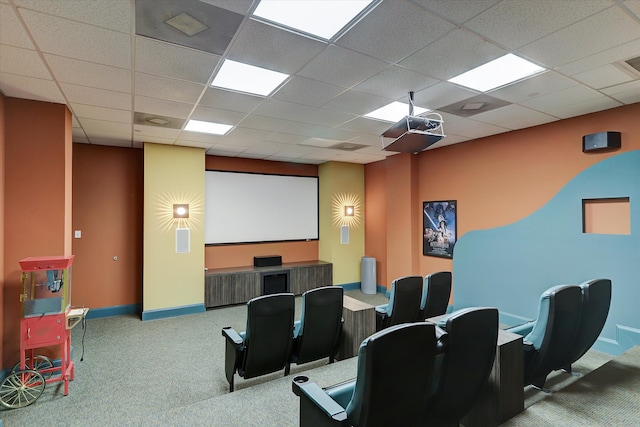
170, 372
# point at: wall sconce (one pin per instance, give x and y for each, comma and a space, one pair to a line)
349, 211
181, 210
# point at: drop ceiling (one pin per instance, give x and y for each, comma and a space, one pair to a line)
127, 85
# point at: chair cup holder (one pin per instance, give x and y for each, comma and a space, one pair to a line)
296, 382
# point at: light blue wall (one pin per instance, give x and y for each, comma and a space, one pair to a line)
510, 266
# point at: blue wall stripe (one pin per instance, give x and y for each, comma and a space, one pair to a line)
163, 313
116, 310
509, 267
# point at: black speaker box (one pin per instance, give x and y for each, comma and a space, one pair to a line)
267, 260
601, 141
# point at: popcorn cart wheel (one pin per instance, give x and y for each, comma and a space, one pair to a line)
47, 320
42, 364
21, 388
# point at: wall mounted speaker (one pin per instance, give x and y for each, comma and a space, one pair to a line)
344, 234
267, 260
601, 141
182, 240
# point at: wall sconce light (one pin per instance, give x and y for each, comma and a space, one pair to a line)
349, 211
181, 211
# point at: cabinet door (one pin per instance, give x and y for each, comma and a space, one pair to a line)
309, 277
230, 288
42, 331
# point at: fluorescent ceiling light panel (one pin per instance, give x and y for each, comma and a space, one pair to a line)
247, 78
394, 112
316, 17
207, 127
499, 72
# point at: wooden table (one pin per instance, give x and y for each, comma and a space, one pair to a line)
359, 323
503, 396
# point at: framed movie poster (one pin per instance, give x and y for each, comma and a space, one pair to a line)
439, 228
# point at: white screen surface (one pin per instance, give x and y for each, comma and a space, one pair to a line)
250, 208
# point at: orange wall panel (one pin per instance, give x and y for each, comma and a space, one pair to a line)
35, 190
2, 185
107, 210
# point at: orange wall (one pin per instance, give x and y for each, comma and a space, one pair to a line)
242, 255
375, 217
496, 180
35, 172
2, 184
107, 209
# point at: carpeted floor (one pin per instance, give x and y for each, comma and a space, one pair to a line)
170, 372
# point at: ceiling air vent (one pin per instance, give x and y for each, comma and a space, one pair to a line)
634, 63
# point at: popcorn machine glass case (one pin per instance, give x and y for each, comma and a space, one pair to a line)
46, 285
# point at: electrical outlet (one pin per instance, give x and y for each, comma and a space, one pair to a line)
77, 234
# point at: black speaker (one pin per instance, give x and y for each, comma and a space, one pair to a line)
601, 141
267, 260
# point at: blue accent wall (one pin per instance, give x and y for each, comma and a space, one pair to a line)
509, 267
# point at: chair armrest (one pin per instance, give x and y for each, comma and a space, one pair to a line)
232, 336
311, 391
522, 330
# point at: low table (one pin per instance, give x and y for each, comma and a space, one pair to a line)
503, 396
359, 323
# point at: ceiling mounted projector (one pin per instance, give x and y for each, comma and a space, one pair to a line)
413, 134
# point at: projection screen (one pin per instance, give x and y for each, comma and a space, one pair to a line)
251, 208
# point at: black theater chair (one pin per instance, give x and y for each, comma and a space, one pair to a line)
464, 368
596, 300
317, 334
435, 294
547, 341
392, 388
265, 346
404, 303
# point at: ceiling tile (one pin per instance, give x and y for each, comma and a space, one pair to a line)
357, 103
605, 76
163, 107
580, 40
516, 23
30, 88
155, 131
89, 74
238, 6
217, 115
228, 100
583, 100
458, 11
307, 91
163, 59
615, 54
100, 113
541, 84
471, 128
514, 117
369, 126
269, 47
445, 62
166, 88
11, 32
627, 93
105, 129
441, 94
72, 39
374, 36
99, 97
23, 62
395, 83
282, 109
342, 67
112, 14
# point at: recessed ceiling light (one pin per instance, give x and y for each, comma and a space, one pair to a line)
319, 18
247, 78
187, 24
207, 127
499, 72
394, 112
